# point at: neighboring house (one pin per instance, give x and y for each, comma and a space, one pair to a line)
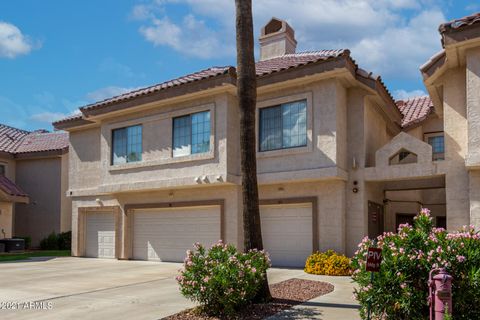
33, 183
157, 169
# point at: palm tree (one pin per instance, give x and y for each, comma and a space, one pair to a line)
247, 99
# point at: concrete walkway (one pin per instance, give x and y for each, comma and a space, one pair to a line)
82, 288
337, 305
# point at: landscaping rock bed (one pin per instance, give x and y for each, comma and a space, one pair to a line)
285, 295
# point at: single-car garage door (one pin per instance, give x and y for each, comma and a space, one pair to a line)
287, 233
166, 234
100, 235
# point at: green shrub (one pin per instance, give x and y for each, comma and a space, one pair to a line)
222, 279
328, 263
60, 241
65, 240
400, 289
28, 241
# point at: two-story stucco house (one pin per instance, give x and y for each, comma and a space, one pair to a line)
33, 184
157, 169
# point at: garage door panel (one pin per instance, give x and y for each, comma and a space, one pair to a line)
100, 235
287, 233
166, 234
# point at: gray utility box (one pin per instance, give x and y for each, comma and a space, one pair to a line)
13, 245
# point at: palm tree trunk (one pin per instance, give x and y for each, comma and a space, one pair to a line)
247, 99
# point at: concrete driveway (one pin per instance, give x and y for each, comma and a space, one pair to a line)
83, 288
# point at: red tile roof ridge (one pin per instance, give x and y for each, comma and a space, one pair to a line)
415, 109
191, 77
10, 188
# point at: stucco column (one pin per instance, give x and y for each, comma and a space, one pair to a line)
456, 146
473, 105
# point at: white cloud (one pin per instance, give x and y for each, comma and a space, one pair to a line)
390, 38
12, 42
403, 94
107, 92
191, 37
47, 117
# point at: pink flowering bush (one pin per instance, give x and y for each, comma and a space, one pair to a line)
400, 290
222, 279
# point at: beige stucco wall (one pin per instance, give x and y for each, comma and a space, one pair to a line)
330, 195
6, 211
84, 159
9, 164
41, 180
473, 105
65, 201
227, 192
375, 132
456, 146
323, 98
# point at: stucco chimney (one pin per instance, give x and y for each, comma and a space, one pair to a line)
277, 38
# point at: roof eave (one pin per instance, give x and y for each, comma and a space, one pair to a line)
71, 123
227, 78
41, 154
451, 36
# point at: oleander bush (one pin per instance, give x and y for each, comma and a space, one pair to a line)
222, 279
328, 263
400, 289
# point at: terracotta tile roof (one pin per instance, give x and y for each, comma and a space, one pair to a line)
11, 188
459, 23
15, 141
204, 74
295, 60
263, 68
415, 110
10, 138
40, 142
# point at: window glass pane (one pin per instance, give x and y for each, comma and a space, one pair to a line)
127, 145
201, 132
2, 170
181, 136
438, 147
119, 146
270, 128
294, 116
134, 144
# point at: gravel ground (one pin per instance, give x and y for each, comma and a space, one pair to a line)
285, 295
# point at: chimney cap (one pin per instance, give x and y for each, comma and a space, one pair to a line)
276, 25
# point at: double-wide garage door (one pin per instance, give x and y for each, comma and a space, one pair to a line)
166, 234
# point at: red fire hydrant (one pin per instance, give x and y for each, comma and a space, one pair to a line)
440, 293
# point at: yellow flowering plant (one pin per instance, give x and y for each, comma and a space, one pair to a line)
328, 263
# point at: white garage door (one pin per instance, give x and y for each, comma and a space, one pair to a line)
100, 235
166, 234
287, 233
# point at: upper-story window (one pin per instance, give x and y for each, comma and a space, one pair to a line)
191, 134
283, 126
438, 145
127, 145
2, 170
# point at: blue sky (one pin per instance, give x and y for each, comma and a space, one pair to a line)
56, 56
